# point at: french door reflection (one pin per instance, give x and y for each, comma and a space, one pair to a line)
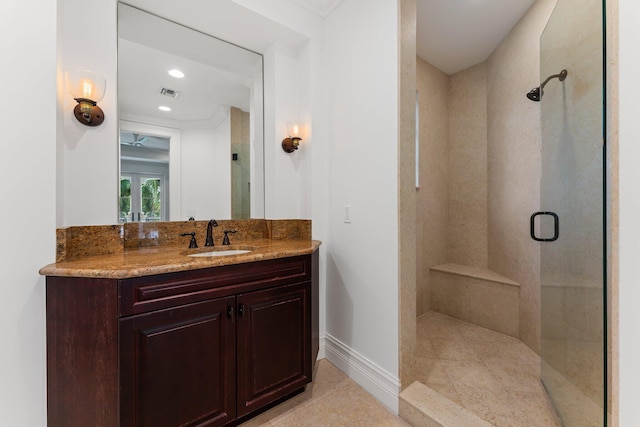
141, 197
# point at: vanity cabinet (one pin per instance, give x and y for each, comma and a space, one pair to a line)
208, 347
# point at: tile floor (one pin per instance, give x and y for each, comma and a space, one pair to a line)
332, 400
492, 375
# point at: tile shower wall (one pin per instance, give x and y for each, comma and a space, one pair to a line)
514, 163
467, 185
431, 197
485, 191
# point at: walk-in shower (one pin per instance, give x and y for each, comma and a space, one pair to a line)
512, 225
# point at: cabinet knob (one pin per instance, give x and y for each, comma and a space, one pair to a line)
241, 310
230, 312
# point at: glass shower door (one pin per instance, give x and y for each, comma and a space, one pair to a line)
573, 274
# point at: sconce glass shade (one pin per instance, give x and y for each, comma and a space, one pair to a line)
84, 84
87, 89
294, 129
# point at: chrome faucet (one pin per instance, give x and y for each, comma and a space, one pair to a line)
210, 241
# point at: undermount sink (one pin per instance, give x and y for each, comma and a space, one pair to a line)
221, 252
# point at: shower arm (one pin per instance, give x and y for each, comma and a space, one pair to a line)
561, 76
536, 93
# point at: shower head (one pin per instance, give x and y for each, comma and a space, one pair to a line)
536, 93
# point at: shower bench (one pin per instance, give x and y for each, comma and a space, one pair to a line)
476, 295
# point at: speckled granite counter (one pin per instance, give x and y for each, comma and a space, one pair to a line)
82, 251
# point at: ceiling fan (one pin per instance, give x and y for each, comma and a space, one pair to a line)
138, 140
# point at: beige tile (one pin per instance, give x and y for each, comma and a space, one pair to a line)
447, 391
435, 325
431, 197
424, 348
331, 400
347, 405
575, 406
431, 371
434, 318
480, 302
407, 223
453, 350
326, 378
515, 376
423, 406
266, 418
471, 374
505, 353
501, 384
473, 333
467, 163
537, 408
410, 413
491, 404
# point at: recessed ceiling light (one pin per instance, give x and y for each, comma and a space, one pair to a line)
164, 108
176, 73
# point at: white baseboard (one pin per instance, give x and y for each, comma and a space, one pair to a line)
381, 384
322, 354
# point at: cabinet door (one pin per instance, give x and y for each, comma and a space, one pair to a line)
274, 346
178, 366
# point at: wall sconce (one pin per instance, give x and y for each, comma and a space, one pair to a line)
291, 143
87, 89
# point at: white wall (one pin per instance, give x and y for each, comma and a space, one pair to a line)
28, 173
361, 73
208, 154
286, 195
90, 174
311, 173
344, 82
256, 138
629, 205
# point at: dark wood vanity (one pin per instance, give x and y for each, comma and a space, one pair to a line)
202, 347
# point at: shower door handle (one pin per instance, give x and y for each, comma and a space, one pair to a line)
556, 227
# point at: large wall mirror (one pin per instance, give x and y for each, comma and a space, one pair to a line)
190, 112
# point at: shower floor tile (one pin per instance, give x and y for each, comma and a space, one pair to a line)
490, 374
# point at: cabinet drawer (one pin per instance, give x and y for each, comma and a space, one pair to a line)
143, 294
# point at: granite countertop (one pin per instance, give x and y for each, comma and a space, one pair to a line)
148, 261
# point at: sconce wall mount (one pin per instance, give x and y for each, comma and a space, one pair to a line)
290, 144
88, 113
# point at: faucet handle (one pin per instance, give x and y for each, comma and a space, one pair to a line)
225, 240
192, 243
